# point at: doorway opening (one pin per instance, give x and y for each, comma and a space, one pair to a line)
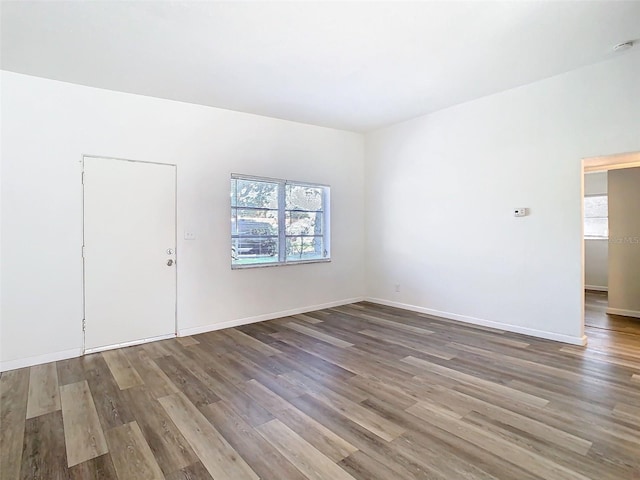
611, 244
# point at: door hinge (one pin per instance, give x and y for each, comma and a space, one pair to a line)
83, 177
84, 325
82, 251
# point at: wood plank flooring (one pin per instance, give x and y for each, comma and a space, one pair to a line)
595, 314
355, 392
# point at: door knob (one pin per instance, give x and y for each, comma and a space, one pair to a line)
169, 262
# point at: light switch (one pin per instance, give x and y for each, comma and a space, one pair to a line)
189, 235
519, 212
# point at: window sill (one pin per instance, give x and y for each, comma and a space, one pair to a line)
278, 264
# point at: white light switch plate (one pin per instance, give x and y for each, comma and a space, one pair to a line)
519, 212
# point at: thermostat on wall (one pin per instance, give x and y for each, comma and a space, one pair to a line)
519, 212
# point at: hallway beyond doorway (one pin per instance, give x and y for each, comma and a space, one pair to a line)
596, 317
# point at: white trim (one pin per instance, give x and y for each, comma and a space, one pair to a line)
611, 162
261, 318
252, 178
596, 288
558, 337
244, 266
623, 312
39, 359
128, 344
102, 157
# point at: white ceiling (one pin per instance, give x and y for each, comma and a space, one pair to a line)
349, 65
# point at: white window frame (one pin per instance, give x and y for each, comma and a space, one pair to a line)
282, 235
595, 237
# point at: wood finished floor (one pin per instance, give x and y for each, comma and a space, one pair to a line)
595, 315
360, 391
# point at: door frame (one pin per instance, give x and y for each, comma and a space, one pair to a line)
86, 350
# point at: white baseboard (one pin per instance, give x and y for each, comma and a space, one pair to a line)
558, 337
39, 359
77, 352
183, 332
621, 311
596, 288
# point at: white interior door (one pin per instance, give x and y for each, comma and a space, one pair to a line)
129, 252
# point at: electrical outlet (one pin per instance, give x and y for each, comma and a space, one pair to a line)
397, 287
189, 235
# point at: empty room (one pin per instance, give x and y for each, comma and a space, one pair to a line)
324, 240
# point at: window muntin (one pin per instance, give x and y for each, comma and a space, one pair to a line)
596, 216
278, 222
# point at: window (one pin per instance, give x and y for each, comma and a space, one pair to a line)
278, 222
596, 216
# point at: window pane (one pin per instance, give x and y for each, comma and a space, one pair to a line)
303, 223
304, 248
256, 194
596, 227
596, 206
246, 221
300, 197
252, 250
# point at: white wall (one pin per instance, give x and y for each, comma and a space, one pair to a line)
596, 264
624, 236
48, 125
440, 190
596, 260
